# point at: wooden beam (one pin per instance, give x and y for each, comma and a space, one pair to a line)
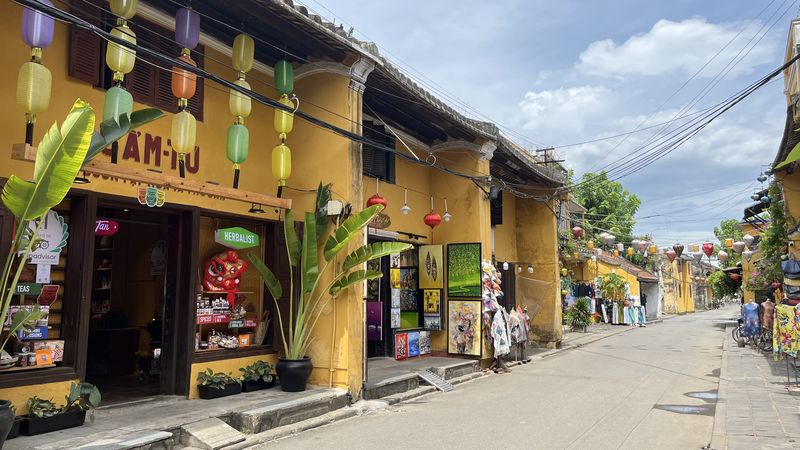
150, 177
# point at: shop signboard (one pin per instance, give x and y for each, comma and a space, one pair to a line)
236, 237
36, 333
151, 196
28, 289
105, 227
48, 241
206, 319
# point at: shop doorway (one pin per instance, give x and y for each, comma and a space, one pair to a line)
134, 264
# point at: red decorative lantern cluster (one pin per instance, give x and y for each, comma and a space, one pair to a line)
377, 200
708, 249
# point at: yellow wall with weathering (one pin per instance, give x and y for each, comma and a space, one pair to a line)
318, 156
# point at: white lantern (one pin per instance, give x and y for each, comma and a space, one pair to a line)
738, 246
748, 240
722, 256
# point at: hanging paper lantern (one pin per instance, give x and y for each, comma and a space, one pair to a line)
610, 239
118, 58
671, 254
377, 200
765, 199
184, 132
33, 89
630, 251
187, 28
564, 272
678, 248
738, 246
564, 292
616, 252
652, 249
722, 256
284, 120
117, 102
281, 164
603, 236
124, 9
576, 255
284, 77
243, 52
728, 243
762, 178
432, 219
237, 147
577, 232
598, 251
620, 246
708, 248
184, 83
748, 240
747, 254
37, 28
695, 248
240, 104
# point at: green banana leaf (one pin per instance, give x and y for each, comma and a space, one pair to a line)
372, 251
292, 241
310, 268
348, 230
270, 280
25, 320
323, 196
113, 130
59, 157
353, 278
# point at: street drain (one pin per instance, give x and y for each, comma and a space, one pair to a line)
709, 396
705, 410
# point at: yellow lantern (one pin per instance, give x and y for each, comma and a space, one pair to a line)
121, 59
729, 243
184, 134
590, 245
696, 248
33, 89
576, 256
243, 51
616, 252
240, 104
564, 271
284, 121
281, 164
630, 251
125, 9
652, 249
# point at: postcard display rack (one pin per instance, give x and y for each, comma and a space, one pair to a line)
412, 293
221, 321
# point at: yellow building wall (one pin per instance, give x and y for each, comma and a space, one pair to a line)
604, 268
229, 366
505, 234
18, 396
317, 156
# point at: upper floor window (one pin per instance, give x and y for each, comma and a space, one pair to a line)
378, 163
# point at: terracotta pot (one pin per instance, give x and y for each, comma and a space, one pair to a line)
293, 373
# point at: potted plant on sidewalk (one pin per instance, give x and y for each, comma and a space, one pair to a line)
315, 255
579, 314
44, 416
257, 376
212, 384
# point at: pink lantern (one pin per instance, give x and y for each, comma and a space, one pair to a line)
671, 254
577, 232
708, 249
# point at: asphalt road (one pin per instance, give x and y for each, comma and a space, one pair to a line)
648, 388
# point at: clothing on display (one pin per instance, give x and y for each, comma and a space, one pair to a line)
752, 326
767, 315
785, 333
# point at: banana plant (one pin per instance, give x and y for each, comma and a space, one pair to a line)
314, 255
59, 157
112, 130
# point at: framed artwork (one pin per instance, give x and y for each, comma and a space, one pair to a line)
396, 297
373, 286
432, 299
394, 318
432, 322
394, 278
409, 319
394, 260
431, 269
400, 346
408, 279
374, 321
464, 327
413, 344
408, 258
464, 270
424, 342
408, 300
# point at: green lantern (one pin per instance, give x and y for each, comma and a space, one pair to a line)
118, 101
284, 77
238, 141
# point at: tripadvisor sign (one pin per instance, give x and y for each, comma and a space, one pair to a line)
236, 237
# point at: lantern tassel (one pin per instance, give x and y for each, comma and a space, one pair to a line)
29, 133
280, 191
236, 178
114, 152
182, 166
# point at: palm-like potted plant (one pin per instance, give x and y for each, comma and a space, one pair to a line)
59, 157
579, 314
315, 255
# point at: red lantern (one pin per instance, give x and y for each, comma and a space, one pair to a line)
577, 232
671, 254
708, 249
432, 219
376, 200
734, 276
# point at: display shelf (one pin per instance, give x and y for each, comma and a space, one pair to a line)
20, 369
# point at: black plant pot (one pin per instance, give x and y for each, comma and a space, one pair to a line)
208, 392
250, 386
6, 420
15, 428
293, 373
32, 426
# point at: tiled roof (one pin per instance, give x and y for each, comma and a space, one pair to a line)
627, 266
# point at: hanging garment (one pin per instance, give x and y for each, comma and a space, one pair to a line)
605, 313
500, 335
751, 320
767, 315
784, 335
516, 328
615, 313
627, 315
643, 315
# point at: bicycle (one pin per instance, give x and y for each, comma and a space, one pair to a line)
736, 332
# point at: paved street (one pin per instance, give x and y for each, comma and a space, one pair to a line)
648, 388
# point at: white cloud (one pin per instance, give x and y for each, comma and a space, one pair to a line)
677, 47
564, 108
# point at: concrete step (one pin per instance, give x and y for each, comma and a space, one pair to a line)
140, 440
210, 434
457, 370
278, 413
391, 386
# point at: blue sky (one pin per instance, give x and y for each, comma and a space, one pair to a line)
569, 71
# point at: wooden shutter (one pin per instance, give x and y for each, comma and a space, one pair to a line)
86, 50
375, 161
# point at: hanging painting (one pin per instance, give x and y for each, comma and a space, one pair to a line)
424, 342
374, 323
394, 260
373, 286
396, 293
432, 322
400, 346
432, 299
394, 278
394, 318
409, 319
431, 271
408, 294
413, 344
464, 270
463, 327
408, 258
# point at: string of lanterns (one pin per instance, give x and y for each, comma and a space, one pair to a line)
184, 86
432, 219
34, 80
284, 122
239, 104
